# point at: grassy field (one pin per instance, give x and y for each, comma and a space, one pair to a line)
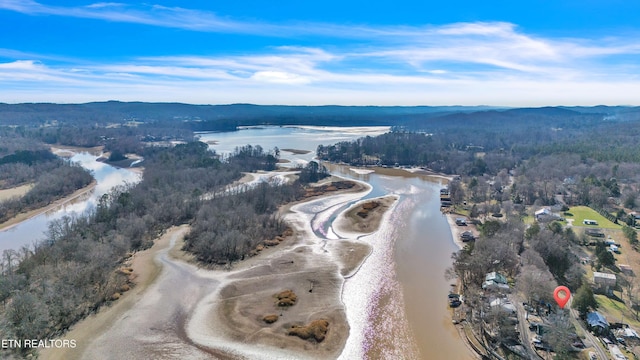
616, 311
583, 212
18, 191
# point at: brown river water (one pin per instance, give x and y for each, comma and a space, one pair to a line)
407, 314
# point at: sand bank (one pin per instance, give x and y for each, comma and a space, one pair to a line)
363, 219
145, 270
178, 310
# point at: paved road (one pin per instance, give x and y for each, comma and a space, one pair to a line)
523, 328
594, 340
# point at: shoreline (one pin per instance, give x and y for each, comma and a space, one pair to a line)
460, 326
16, 220
235, 299
227, 320
146, 270
314, 268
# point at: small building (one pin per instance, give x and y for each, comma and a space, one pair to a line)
461, 221
614, 248
542, 212
604, 280
594, 233
597, 323
495, 281
503, 305
589, 222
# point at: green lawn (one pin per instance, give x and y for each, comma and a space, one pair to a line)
584, 212
616, 311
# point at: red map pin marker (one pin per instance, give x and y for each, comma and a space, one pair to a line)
562, 295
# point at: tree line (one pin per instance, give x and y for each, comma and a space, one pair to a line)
47, 287
26, 162
232, 225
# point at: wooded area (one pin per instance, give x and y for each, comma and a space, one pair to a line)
24, 161
507, 159
46, 288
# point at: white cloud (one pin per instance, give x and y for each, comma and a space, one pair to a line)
280, 77
492, 63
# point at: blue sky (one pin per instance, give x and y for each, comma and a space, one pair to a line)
510, 53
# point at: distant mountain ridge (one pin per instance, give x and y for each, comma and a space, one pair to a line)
412, 117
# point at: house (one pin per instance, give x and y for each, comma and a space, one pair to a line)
545, 214
597, 323
604, 280
542, 212
503, 305
589, 222
495, 281
627, 335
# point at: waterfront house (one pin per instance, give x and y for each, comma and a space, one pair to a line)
495, 281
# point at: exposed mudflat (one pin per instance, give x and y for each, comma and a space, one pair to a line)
178, 310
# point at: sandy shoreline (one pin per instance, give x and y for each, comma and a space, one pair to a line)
457, 230
222, 315
225, 313
60, 202
145, 269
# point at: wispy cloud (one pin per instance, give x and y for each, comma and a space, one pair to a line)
154, 15
473, 63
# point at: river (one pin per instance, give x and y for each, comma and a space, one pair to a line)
32, 230
395, 304
405, 314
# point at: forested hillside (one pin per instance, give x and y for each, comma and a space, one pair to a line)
77, 267
24, 161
